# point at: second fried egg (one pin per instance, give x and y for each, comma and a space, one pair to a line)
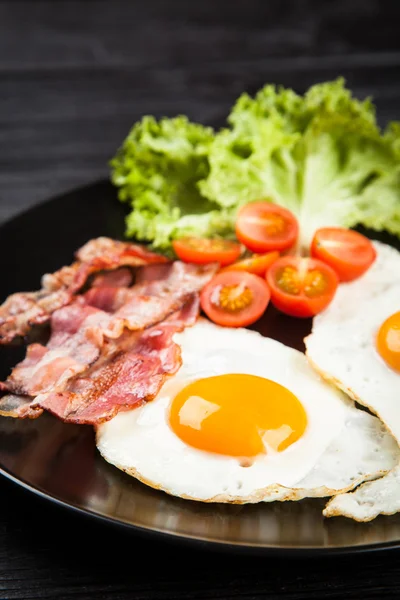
355, 344
350, 342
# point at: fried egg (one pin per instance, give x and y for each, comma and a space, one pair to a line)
379, 497
246, 419
355, 343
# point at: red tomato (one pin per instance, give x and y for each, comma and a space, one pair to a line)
203, 250
348, 252
264, 226
257, 263
235, 298
301, 287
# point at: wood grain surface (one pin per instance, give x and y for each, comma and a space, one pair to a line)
74, 76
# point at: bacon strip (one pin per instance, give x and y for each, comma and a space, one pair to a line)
152, 300
128, 372
122, 277
98, 359
22, 310
81, 329
123, 380
74, 344
112, 251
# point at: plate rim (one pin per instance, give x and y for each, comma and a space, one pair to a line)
200, 541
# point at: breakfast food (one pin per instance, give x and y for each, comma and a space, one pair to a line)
266, 226
246, 419
301, 287
321, 155
109, 349
256, 263
343, 343
128, 354
249, 219
235, 298
22, 310
348, 252
203, 250
380, 497
355, 344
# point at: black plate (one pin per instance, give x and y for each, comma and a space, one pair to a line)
60, 462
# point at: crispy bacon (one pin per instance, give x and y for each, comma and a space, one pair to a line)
121, 277
128, 372
109, 350
74, 344
79, 330
115, 252
152, 300
123, 380
22, 310
162, 281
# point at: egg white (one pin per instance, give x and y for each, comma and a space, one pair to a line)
340, 447
342, 346
379, 497
342, 349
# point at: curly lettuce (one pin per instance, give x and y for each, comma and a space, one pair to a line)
157, 170
322, 155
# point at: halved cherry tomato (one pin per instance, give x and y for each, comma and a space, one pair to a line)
264, 226
257, 263
301, 287
235, 298
348, 252
203, 250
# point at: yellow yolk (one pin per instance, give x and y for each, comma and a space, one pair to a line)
388, 341
237, 415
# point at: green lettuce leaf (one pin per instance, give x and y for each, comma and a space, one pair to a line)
156, 170
322, 156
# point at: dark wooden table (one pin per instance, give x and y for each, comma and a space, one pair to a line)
74, 76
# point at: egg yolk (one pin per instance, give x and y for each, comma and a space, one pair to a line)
237, 415
388, 341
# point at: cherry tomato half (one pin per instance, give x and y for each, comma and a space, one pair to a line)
257, 263
203, 250
348, 252
264, 226
235, 298
301, 287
